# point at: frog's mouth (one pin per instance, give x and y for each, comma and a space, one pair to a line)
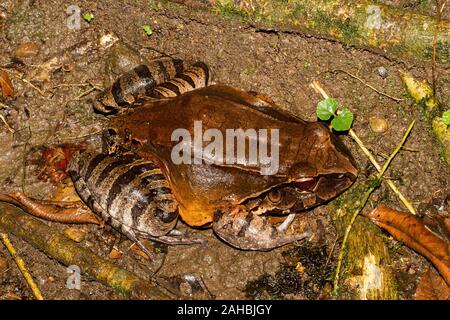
299, 195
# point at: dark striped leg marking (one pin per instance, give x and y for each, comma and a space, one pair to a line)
129, 193
196, 76
137, 83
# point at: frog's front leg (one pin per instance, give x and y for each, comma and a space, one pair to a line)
247, 230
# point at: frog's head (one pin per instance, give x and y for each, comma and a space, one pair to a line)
323, 169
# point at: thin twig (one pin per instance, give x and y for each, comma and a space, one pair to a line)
94, 87
42, 93
368, 85
331, 252
22, 267
87, 84
361, 206
205, 288
20, 76
6, 124
316, 86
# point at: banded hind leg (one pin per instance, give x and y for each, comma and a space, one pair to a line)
130, 193
164, 77
195, 77
136, 83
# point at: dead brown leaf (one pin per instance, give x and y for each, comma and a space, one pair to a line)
138, 251
6, 85
412, 231
115, 254
432, 287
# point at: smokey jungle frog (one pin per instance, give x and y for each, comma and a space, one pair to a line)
134, 184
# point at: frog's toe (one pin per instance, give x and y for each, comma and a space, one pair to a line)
249, 231
178, 240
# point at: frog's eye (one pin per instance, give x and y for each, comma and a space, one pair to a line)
274, 196
306, 185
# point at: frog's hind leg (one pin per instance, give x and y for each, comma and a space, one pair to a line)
137, 83
130, 193
249, 231
160, 78
195, 77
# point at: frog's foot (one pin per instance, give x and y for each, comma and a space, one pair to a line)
286, 223
59, 211
249, 231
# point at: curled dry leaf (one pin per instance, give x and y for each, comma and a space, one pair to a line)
413, 232
136, 250
432, 287
6, 85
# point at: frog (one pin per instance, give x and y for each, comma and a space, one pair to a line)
135, 185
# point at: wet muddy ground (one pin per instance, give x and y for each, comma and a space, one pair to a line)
277, 64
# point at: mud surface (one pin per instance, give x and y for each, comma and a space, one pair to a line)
277, 64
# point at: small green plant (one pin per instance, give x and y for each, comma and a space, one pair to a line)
446, 117
88, 16
249, 71
147, 29
342, 118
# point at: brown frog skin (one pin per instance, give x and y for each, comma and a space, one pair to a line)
135, 185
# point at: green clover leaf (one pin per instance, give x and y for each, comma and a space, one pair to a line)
343, 121
446, 117
88, 16
326, 108
147, 29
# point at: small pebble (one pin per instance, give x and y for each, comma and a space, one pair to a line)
382, 72
137, 251
76, 235
27, 50
378, 125
108, 40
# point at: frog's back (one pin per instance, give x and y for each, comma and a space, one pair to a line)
200, 188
